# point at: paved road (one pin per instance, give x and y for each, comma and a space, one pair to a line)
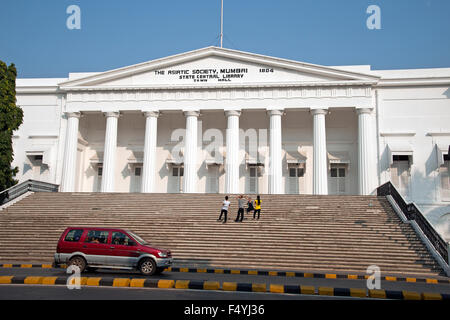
103, 302
173, 303
316, 282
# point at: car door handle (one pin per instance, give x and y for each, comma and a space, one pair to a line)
85, 246
112, 247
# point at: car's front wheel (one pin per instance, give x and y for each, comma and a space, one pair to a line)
147, 267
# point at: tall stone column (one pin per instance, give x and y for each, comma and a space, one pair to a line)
365, 146
232, 157
70, 152
109, 155
275, 153
149, 165
320, 170
190, 152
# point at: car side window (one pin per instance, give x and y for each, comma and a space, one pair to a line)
95, 236
74, 235
120, 238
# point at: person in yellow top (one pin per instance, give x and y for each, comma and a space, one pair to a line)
257, 207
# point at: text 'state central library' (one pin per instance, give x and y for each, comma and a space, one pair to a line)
217, 120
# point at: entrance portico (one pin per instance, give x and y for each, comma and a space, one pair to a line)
214, 154
274, 105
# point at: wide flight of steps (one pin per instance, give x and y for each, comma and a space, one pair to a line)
295, 232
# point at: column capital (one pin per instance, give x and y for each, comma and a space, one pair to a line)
319, 111
115, 114
73, 114
275, 112
364, 110
191, 113
154, 114
233, 113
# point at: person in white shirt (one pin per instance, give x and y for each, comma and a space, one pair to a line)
225, 205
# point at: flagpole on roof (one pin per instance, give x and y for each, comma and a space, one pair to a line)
221, 25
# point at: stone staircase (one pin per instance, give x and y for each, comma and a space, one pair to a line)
295, 232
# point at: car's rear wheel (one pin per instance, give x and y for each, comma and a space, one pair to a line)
147, 267
79, 262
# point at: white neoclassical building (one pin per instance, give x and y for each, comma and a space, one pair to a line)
217, 120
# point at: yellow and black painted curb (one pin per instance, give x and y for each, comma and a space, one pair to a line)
264, 273
224, 286
307, 275
26, 265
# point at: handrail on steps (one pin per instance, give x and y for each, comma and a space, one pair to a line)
412, 212
24, 187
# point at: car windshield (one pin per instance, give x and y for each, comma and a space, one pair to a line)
137, 238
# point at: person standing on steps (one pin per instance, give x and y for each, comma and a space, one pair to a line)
224, 211
241, 204
250, 205
257, 207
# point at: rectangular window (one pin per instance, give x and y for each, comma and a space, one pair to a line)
177, 171
292, 172
296, 172
100, 171
95, 236
445, 179
334, 172
73, 235
122, 239
137, 171
400, 158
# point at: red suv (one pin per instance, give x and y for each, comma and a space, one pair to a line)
92, 248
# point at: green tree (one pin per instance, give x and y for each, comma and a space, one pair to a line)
11, 117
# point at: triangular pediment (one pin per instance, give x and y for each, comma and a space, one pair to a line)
217, 66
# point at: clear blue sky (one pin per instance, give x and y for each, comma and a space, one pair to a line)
117, 33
